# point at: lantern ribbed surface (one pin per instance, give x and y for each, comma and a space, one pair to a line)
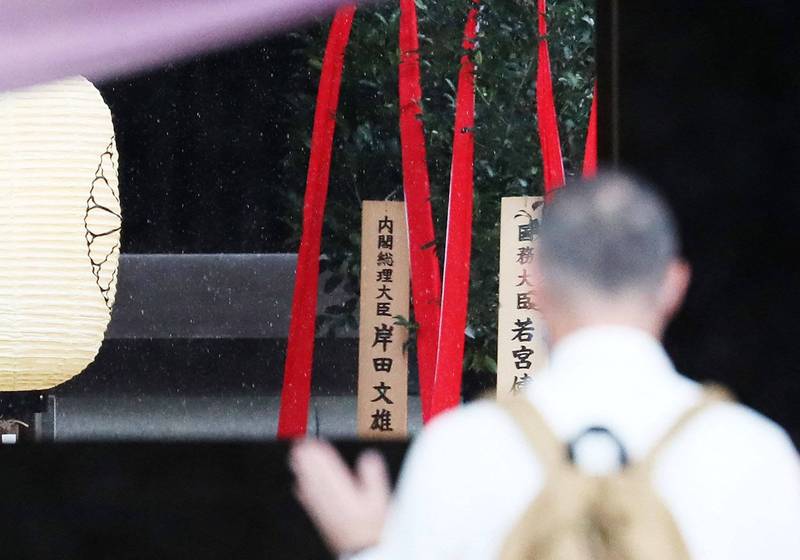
60, 223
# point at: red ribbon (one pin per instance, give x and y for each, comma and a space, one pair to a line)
590, 154
425, 276
455, 287
546, 111
440, 354
296, 392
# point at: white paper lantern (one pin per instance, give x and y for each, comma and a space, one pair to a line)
60, 221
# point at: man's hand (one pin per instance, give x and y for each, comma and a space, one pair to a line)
349, 508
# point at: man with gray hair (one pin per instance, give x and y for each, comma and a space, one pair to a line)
609, 277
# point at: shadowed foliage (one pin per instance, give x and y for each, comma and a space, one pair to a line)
367, 162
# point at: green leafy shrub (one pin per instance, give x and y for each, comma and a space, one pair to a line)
366, 157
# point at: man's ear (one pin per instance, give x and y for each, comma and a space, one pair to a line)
675, 286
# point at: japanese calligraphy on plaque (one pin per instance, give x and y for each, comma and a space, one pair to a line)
382, 355
521, 349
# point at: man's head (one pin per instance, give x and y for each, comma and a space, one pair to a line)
609, 253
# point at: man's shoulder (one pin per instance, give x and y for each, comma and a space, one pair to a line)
735, 423
478, 428
727, 434
476, 442
483, 416
728, 467
736, 438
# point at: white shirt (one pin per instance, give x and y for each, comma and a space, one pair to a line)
731, 479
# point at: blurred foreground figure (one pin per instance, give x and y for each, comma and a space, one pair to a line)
609, 453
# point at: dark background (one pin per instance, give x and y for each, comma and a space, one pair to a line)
707, 105
709, 108
157, 501
201, 145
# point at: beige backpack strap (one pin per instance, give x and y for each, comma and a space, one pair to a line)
549, 449
712, 394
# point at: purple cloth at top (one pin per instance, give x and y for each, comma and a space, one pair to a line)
43, 40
